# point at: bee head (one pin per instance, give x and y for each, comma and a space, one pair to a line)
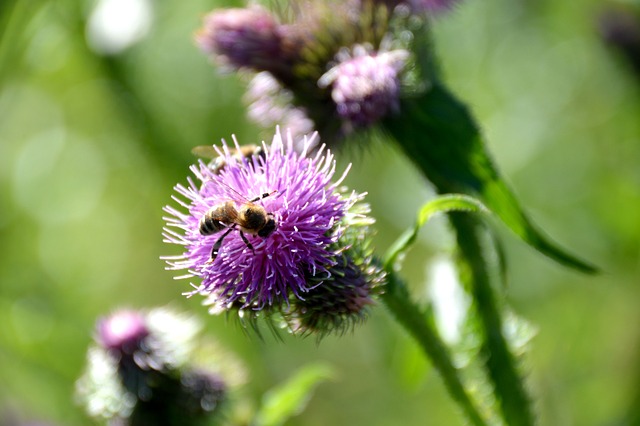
268, 228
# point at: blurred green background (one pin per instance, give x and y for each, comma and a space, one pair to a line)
92, 144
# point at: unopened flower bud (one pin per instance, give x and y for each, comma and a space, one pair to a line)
342, 297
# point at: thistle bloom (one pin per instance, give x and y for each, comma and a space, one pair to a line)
122, 332
240, 38
270, 104
365, 85
244, 269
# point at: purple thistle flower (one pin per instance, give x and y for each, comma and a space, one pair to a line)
122, 331
253, 271
242, 38
270, 104
365, 84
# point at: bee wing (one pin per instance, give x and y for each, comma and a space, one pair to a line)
205, 151
238, 194
250, 150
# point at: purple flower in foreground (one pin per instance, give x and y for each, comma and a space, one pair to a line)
365, 85
240, 265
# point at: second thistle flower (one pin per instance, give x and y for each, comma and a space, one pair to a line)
365, 85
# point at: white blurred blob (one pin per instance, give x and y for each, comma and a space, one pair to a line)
115, 25
450, 303
519, 332
175, 336
99, 389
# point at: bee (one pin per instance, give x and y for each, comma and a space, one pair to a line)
249, 218
219, 162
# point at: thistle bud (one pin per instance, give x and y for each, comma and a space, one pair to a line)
341, 298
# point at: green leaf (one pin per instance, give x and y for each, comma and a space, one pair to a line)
292, 396
442, 204
439, 134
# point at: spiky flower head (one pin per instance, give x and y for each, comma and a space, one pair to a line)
365, 84
141, 371
241, 37
245, 266
341, 299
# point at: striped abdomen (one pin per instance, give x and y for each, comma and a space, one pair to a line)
217, 218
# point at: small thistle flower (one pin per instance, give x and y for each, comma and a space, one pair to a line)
238, 266
241, 38
365, 85
141, 371
270, 104
122, 332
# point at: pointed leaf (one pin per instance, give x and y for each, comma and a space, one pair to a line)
441, 204
291, 397
438, 133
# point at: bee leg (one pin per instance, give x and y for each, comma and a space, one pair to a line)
264, 195
246, 241
217, 245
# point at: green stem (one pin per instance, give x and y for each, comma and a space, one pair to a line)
440, 136
499, 361
415, 321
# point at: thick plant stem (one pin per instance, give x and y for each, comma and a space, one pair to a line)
499, 361
416, 322
437, 132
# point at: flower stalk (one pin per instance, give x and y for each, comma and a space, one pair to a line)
415, 321
441, 123
500, 363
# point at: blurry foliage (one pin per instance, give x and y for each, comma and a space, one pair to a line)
90, 147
